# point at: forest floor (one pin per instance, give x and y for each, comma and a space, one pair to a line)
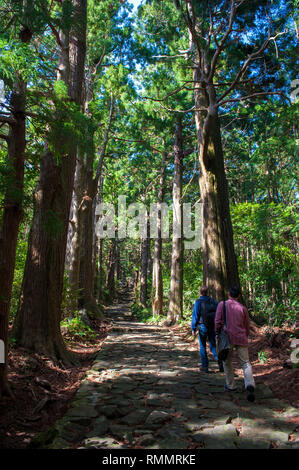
44, 391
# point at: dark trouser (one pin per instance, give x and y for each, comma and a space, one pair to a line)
205, 334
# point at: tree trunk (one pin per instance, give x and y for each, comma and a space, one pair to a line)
136, 278
38, 321
157, 302
13, 201
144, 269
99, 292
87, 299
220, 268
110, 277
117, 261
12, 214
76, 239
99, 251
175, 309
94, 244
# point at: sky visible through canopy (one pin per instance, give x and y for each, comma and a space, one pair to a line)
136, 3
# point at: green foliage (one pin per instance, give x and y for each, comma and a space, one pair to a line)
263, 357
266, 246
60, 90
18, 273
67, 126
69, 299
76, 328
143, 314
259, 136
17, 60
192, 280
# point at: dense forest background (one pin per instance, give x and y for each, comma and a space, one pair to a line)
174, 102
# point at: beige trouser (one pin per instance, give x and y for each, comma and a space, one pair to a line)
242, 352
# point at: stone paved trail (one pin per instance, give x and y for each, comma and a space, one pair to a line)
145, 390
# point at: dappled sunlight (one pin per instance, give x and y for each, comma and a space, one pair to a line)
144, 390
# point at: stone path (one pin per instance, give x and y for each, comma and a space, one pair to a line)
145, 390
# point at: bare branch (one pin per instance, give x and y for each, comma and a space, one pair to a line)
274, 40
142, 141
171, 93
254, 95
245, 65
178, 110
169, 56
56, 34
7, 119
99, 61
223, 40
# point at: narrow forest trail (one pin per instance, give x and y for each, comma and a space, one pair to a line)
145, 391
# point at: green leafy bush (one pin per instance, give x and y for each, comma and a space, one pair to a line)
262, 357
141, 313
77, 328
266, 245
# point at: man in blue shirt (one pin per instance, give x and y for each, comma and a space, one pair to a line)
203, 316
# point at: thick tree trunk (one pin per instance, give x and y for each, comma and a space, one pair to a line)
86, 297
13, 199
157, 302
87, 270
39, 314
12, 214
81, 269
175, 309
220, 268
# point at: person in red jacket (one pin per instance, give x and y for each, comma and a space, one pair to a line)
237, 328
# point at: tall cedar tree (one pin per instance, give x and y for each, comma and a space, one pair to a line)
38, 320
13, 199
211, 27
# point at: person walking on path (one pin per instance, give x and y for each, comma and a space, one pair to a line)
237, 328
203, 317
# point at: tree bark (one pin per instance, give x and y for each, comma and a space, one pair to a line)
12, 214
220, 268
76, 238
98, 251
175, 309
157, 302
13, 202
38, 320
136, 279
110, 276
144, 269
86, 284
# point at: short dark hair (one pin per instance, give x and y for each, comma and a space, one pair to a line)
204, 290
234, 292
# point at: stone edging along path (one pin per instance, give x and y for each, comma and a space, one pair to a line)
145, 390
